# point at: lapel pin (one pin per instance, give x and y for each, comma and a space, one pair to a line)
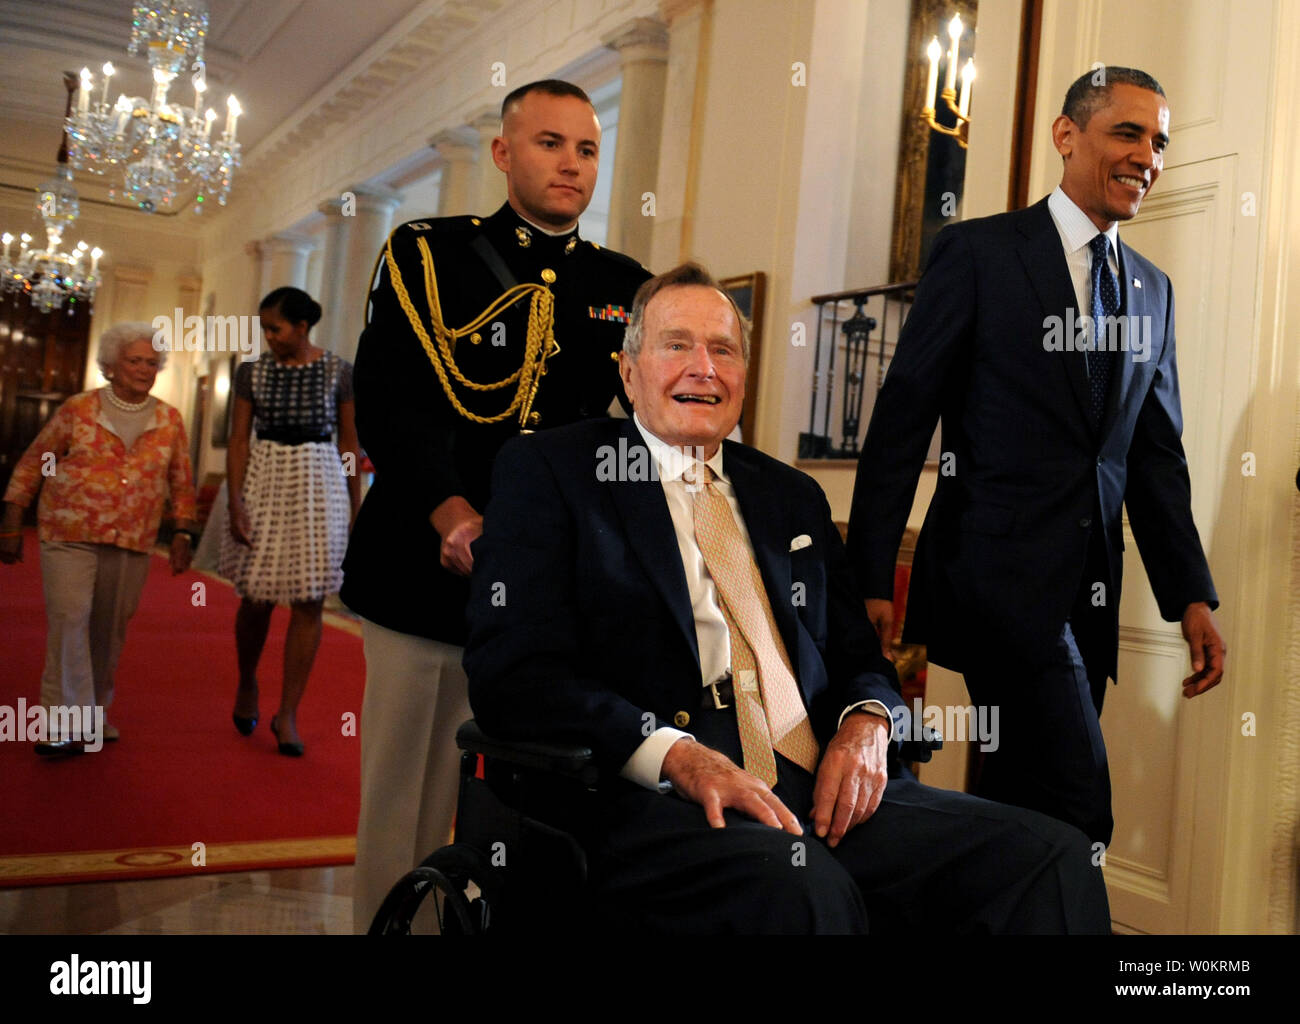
1137, 283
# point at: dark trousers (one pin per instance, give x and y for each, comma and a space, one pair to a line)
1050, 756
928, 861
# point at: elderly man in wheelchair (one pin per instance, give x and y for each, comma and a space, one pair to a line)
685, 714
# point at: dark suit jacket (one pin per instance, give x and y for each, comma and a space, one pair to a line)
1004, 549
580, 620
422, 449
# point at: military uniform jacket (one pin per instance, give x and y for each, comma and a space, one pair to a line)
424, 451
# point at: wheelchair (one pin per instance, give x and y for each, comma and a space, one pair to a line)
516, 865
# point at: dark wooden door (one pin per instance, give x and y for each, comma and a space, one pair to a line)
42, 363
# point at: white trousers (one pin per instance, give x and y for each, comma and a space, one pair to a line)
91, 592
415, 700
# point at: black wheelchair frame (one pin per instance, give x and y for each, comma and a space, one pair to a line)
516, 866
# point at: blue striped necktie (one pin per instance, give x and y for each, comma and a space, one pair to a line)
1105, 304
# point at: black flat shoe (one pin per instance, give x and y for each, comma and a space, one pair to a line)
244, 725
288, 749
59, 748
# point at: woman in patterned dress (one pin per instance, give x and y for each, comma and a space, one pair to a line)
291, 499
105, 466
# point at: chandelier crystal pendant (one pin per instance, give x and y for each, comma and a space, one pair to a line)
50, 275
158, 146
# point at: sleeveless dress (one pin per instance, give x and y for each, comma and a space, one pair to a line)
295, 490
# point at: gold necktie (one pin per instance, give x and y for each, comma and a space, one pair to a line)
770, 712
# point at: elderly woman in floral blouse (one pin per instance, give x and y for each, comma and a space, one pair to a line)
104, 465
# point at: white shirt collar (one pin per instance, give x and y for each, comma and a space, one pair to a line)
1075, 226
672, 462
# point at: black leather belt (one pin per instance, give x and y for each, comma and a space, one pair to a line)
719, 696
284, 437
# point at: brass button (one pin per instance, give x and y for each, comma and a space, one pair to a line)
475, 338
475, 221
548, 275
534, 418
681, 719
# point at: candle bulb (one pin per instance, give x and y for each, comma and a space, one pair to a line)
161, 81
8, 240
233, 111
94, 259
109, 72
210, 117
967, 76
932, 82
83, 94
954, 34
123, 109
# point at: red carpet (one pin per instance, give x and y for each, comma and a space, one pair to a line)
181, 774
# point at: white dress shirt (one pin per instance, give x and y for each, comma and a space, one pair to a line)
711, 633
1077, 232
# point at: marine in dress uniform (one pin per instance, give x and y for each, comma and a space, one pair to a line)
459, 302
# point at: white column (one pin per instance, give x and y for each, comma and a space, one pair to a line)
260, 254
491, 190
289, 252
642, 46
367, 235
457, 148
333, 281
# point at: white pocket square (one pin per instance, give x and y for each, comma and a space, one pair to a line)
800, 542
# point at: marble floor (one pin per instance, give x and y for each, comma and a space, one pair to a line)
292, 901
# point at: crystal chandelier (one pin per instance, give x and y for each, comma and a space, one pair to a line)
158, 146
50, 275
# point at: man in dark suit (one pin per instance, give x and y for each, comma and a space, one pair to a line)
517, 301
1016, 577
685, 607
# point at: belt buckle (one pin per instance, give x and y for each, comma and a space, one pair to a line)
713, 689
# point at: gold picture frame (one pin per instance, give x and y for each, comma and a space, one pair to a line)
749, 291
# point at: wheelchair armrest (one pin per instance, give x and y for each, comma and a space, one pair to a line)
920, 751
556, 758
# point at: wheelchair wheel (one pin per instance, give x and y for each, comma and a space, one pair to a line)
461, 879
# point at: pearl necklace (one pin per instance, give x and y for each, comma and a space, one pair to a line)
119, 403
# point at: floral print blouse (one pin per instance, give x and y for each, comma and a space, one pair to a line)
98, 491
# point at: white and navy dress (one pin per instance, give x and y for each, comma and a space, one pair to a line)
295, 490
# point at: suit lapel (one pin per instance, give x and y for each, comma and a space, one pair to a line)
768, 521
650, 534
1044, 263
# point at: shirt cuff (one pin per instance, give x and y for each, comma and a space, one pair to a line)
873, 707
647, 761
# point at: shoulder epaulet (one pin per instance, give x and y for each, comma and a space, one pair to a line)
616, 257
440, 225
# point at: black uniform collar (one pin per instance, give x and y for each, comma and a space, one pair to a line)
512, 233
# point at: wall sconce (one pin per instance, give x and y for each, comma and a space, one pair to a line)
960, 107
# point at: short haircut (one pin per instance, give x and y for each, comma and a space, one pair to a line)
117, 337
679, 277
1085, 96
294, 304
550, 86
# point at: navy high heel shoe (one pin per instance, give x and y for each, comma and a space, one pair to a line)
288, 749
